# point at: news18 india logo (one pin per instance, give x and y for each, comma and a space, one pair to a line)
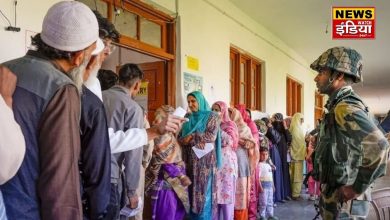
353, 22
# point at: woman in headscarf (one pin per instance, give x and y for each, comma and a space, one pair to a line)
255, 133
254, 156
285, 139
298, 153
245, 144
227, 175
165, 179
199, 132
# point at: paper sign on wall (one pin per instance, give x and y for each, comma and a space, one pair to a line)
142, 96
192, 63
143, 91
192, 83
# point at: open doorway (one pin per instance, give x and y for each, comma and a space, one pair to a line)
147, 38
155, 75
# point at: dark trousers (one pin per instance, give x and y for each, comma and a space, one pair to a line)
115, 203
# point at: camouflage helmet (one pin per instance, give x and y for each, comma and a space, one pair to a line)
261, 126
342, 59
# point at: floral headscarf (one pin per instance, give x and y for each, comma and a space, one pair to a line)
261, 126
249, 122
227, 124
243, 130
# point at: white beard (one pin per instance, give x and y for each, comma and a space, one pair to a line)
77, 73
93, 83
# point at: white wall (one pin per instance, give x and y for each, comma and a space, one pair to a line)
209, 28
29, 18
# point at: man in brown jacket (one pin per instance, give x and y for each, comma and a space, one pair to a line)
46, 105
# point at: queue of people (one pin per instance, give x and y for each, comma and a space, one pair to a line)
77, 146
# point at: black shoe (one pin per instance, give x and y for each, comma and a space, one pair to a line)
288, 198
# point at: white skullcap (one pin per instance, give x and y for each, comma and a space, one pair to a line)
99, 47
69, 26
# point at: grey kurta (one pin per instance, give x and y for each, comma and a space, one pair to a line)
124, 113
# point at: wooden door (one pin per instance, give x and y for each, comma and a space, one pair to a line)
318, 107
155, 75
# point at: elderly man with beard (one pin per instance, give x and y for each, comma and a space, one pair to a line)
95, 146
46, 105
95, 167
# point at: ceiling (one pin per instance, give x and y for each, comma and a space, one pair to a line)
302, 25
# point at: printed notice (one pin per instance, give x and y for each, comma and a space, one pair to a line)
192, 63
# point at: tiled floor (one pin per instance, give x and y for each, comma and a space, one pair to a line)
295, 210
305, 210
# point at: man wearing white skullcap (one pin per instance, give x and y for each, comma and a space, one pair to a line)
46, 105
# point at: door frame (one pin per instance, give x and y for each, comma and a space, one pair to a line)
149, 66
167, 53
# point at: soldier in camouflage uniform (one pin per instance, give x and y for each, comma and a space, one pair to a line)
351, 151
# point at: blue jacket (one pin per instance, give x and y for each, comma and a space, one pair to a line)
95, 157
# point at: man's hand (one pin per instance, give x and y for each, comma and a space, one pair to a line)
93, 65
133, 202
347, 193
171, 123
7, 85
